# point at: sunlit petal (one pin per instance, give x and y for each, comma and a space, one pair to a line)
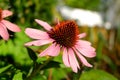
6, 13
73, 61
82, 59
52, 50
82, 35
11, 26
3, 32
39, 42
66, 58
45, 25
36, 34
86, 51
83, 43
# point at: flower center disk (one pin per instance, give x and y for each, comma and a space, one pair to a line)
65, 33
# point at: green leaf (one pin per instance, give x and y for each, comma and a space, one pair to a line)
60, 74
5, 68
39, 77
52, 64
32, 54
18, 76
97, 75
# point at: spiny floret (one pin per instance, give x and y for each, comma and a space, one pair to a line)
65, 33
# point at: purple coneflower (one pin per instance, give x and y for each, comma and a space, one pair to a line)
4, 24
64, 36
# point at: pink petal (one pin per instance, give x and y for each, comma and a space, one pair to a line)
66, 58
36, 34
44, 24
11, 26
53, 50
87, 51
83, 42
82, 35
39, 42
3, 32
73, 61
6, 13
82, 59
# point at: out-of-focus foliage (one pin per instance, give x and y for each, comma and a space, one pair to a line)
25, 11
18, 76
85, 4
96, 75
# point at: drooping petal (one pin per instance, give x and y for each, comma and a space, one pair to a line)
11, 26
66, 58
39, 42
52, 50
3, 32
73, 61
87, 51
6, 13
44, 24
36, 34
82, 59
82, 35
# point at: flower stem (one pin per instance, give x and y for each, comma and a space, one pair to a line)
38, 68
76, 76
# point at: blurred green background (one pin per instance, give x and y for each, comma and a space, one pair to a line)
15, 63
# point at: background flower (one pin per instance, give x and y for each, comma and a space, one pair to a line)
4, 24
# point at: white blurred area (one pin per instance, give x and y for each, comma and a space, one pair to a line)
107, 17
83, 17
87, 17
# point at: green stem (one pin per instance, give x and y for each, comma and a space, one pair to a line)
76, 76
36, 70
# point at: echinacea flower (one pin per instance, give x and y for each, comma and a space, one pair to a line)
64, 36
4, 24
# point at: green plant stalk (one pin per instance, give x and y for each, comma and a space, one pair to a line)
36, 70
